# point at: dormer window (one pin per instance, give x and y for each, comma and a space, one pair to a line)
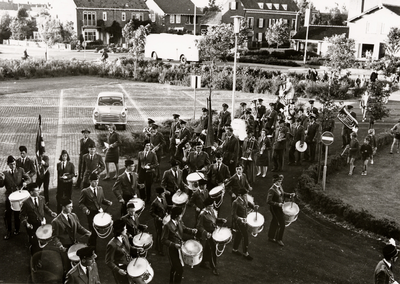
276, 5
269, 5
284, 6
233, 5
261, 5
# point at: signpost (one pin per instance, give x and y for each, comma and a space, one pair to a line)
195, 83
326, 139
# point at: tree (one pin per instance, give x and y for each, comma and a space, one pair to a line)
22, 28
340, 52
278, 33
5, 31
376, 108
211, 7
392, 43
336, 18
54, 31
115, 31
22, 13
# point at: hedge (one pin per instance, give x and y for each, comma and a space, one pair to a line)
309, 191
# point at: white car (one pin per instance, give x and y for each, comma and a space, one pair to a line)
110, 108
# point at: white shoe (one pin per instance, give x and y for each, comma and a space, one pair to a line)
372, 162
264, 175
258, 174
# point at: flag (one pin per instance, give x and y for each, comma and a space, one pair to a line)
210, 129
39, 140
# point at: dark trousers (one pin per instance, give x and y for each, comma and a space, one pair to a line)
176, 272
158, 175
8, 217
277, 158
93, 237
231, 166
64, 190
210, 254
126, 198
241, 233
33, 241
80, 174
158, 244
120, 279
294, 155
277, 226
147, 179
45, 180
311, 150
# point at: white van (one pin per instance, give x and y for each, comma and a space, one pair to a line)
173, 47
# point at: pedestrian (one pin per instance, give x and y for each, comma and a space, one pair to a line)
395, 131
366, 154
112, 151
372, 139
384, 270
65, 174
354, 147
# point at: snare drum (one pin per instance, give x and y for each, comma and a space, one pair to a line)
221, 236
193, 178
217, 191
180, 198
44, 234
143, 241
72, 253
299, 148
291, 211
102, 224
139, 205
17, 197
255, 223
192, 252
140, 267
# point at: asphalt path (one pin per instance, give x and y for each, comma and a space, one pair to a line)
316, 250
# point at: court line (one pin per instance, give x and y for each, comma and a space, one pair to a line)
133, 103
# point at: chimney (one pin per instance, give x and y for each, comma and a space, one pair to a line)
362, 6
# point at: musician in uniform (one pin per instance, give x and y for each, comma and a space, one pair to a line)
158, 210
126, 186
90, 202
207, 223
12, 179
279, 146
26, 163
219, 172
119, 253
147, 130
175, 126
223, 119
383, 273
202, 126
32, 214
132, 223
240, 210
275, 199
183, 136
249, 151
263, 156
172, 237
65, 174
346, 131
198, 160
298, 135
238, 182
85, 272
91, 163
304, 118
147, 163
158, 142
261, 111
230, 150
66, 225
172, 181
198, 197
270, 118
112, 151
43, 174
242, 109
312, 138
84, 143
249, 120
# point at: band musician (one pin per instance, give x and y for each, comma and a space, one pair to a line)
158, 142
158, 211
184, 136
175, 126
230, 150
198, 160
172, 181
91, 163
223, 119
249, 151
147, 163
84, 143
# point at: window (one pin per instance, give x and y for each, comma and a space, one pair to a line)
269, 5
172, 19
259, 37
261, 5
153, 17
190, 20
104, 16
293, 24
271, 22
233, 5
123, 16
178, 19
260, 23
284, 6
250, 22
276, 5
89, 18
90, 35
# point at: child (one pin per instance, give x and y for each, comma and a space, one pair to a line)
372, 142
353, 151
366, 154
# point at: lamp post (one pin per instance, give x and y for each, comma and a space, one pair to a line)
236, 30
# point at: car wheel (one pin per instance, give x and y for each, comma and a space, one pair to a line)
183, 59
154, 56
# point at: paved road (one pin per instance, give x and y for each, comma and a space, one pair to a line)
316, 251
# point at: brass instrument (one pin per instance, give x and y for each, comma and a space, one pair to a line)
249, 150
147, 131
155, 149
185, 153
262, 148
347, 119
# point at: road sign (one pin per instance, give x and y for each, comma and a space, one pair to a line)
195, 82
327, 138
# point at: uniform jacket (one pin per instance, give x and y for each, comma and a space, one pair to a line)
84, 145
88, 166
261, 110
231, 148
13, 182
69, 171
28, 166
124, 188
198, 198
174, 126
219, 175
170, 183
198, 161
383, 274
77, 276
173, 234
43, 169
118, 254
131, 225
31, 214
151, 159
224, 118
237, 183
87, 200
280, 137
207, 222
271, 116
184, 135
312, 133
158, 209
298, 134
276, 195
240, 208
158, 139
63, 230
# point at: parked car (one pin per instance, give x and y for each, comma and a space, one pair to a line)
110, 108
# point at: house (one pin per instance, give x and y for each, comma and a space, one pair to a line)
96, 19
370, 28
260, 15
175, 15
316, 36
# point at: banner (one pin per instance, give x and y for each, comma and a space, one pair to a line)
210, 129
39, 140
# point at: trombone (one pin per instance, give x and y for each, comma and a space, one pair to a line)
247, 155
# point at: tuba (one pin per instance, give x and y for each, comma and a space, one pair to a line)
347, 119
247, 154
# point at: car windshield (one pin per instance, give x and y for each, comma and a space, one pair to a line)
110, 101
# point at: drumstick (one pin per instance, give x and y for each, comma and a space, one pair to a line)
135, 261
140, 236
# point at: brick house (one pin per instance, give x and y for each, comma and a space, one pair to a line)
260, 14
91, 18
175, 15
